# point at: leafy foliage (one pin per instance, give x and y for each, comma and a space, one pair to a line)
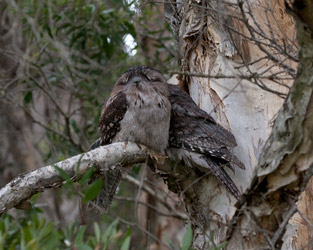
68, 54
36, 233
74, 51
187, 240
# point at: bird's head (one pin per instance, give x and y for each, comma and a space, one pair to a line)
141, 78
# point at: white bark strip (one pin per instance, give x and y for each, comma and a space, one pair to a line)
25, 185
285, 166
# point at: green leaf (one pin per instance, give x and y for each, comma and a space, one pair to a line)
97, 232
79, 239
62, 173
84, 247
78, 163
187, 240
108, 232
28, 97
2, 226
93, 190
126, 243
75, 127
34, 197
131, 3
86, 177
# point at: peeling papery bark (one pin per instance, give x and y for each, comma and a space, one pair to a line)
24, 186
216, 39
285, 166
213, 40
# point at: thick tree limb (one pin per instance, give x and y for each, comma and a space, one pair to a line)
28, 184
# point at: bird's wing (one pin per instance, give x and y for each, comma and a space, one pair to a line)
183, 107
111, 115
195, 130
109, 124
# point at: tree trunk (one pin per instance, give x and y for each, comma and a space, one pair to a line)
238, 62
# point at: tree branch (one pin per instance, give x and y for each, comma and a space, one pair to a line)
28, 184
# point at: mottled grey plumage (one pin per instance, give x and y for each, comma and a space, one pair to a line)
144, 109
138, 110
199, 141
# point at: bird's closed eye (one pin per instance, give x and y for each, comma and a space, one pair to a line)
154, 78
123, 81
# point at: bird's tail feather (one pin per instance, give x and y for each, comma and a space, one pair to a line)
224, 178
95, 144
111, 180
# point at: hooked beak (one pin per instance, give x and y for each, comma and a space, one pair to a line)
135, 80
